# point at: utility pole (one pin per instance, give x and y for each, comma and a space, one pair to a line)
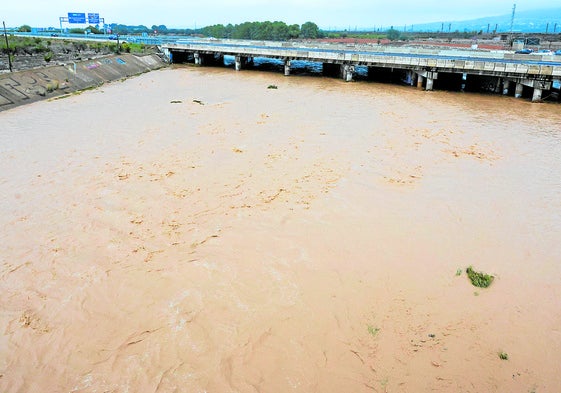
512, 24
512, 17
7, 46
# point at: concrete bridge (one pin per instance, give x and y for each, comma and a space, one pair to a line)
501, 71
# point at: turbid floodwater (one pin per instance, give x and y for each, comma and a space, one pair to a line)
193, 230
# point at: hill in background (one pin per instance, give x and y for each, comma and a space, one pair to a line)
535, 21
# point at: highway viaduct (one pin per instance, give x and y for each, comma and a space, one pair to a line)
505, 72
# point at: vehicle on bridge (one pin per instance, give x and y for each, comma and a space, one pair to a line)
525, 51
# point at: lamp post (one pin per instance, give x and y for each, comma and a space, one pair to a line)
7, 46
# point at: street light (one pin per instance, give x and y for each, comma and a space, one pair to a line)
7, 46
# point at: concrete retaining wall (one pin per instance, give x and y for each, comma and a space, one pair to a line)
23, 87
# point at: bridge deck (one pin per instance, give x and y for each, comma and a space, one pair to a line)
495, 63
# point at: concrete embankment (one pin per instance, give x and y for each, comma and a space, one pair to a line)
23, 87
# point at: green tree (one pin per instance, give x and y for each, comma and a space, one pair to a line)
262, 30
228, 30
309, 30
280, 31
94, 30
25, 29
293, 31
217, 31
393, 34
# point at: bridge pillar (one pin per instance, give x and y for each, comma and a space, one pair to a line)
347, 72
498, 85
518, 91
198, 59
238, 63
506, 86
537, 96
286, 67
410, 78
430, 83
420, 79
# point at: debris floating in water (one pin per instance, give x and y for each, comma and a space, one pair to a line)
479, 279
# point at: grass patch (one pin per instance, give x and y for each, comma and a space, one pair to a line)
503, 355
175, 102
272, 87
459, 272
198, 102
479, 279
52, 86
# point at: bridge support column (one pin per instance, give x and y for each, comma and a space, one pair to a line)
420, 79
410, 78
506, 86
198, 59
498, 85
518, 91
537, 96
347, 72
286, 67
430, 83
238, 63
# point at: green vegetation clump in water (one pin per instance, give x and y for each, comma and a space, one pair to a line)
503, 355
373, 330
479, 279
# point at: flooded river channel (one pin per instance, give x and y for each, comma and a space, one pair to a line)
205, 230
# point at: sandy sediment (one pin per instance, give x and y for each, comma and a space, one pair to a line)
206, 233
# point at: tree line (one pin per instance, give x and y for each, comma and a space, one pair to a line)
277, 31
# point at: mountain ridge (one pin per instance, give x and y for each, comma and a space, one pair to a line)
533, 21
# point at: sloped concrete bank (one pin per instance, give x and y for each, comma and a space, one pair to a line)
23, 87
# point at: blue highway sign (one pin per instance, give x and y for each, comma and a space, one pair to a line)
76, 17
93, 19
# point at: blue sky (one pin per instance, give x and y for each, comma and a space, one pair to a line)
327, 14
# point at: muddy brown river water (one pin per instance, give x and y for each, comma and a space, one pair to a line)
192, 230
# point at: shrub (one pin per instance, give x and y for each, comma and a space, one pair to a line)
479, 279
48, 56
40, 48
52, 86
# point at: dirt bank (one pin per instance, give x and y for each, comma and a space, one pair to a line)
17, 88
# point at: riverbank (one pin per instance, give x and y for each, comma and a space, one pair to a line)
22, 87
